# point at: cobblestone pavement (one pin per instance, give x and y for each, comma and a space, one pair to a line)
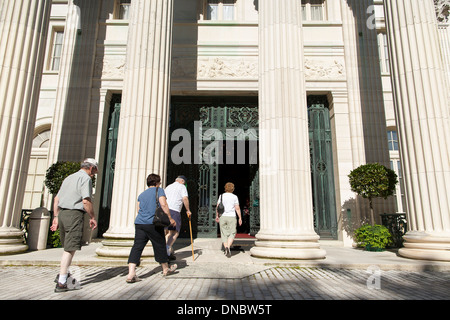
275, 283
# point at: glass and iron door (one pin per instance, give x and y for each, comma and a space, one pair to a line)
322, 176
229, 138
109, 165
211, 137
213, 123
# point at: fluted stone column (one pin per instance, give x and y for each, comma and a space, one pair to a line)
23, 34
366, 105
286, 210
143, 127
422, 111
71, 119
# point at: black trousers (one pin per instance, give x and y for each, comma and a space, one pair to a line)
144, 233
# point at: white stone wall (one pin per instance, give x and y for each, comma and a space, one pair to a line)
221, 58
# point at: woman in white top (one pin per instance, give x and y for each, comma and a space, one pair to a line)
228, 219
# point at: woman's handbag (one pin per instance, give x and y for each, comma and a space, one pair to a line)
161, 219
220, 207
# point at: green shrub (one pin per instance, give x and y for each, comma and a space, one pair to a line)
373, 180
54, 240
58, 172
373, 238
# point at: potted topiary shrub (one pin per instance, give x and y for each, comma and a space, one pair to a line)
373, 238
373, 180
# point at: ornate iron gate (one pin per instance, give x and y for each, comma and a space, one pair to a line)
110, 161
217, 120
215, 115
322, 176
210, 118
113, 133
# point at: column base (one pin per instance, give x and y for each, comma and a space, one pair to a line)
12, 241
285, 246
426, 246
119, 246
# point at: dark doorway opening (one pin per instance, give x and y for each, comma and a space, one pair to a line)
209, 123
109, 164
241, 175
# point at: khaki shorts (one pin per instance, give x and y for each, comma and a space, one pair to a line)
227, 228
71, 229
177, 217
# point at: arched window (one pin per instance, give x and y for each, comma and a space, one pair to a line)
36, 170
42, 139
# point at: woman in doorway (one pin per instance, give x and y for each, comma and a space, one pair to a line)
228, 219
146, 230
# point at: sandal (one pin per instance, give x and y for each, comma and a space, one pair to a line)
133, 280
171, 270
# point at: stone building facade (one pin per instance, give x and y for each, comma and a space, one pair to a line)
284, 98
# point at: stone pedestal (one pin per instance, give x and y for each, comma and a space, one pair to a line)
143, 127
422, 114
286, 212
23, 26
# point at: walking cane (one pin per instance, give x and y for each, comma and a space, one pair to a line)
192, 243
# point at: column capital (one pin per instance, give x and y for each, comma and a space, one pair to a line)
442, 10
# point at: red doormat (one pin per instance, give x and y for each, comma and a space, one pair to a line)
244, 236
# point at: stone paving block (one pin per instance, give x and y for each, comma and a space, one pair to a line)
285, 283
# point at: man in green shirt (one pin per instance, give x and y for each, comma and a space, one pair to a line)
73, 200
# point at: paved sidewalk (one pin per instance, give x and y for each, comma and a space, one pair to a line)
345, 274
